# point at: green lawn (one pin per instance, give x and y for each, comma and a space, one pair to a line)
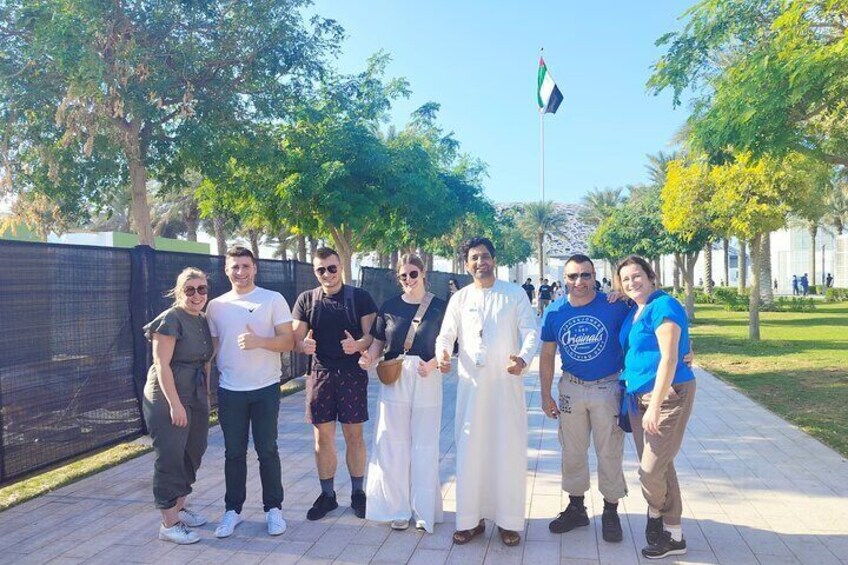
799, 370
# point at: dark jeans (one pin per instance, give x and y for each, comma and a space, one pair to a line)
239, 411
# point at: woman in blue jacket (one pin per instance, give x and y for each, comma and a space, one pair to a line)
660, 394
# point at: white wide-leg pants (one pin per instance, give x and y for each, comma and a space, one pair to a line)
403, 473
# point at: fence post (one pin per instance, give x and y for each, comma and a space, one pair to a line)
142, 298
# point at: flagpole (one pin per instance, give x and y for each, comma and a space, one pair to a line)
542, 153
542, 141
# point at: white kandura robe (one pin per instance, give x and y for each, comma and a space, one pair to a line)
403, 474
491, 412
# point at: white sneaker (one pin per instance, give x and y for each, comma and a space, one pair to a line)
420, 525
276, 522
178, 534
400, 524
228, 523
191, 518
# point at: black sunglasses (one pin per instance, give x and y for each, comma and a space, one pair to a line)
412, 274
574, 276
201, 290
332, 269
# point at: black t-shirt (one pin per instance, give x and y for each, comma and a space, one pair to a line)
330, 328
529, 288
393, 321
545, 292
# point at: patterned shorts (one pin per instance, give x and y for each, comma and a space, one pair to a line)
337, 395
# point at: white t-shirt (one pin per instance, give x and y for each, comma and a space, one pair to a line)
229, 316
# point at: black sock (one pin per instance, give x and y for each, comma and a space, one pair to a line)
576, 501
610, 505
327, 486
356, 483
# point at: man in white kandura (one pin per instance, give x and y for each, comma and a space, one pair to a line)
497, 333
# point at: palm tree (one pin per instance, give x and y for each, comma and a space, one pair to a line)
537, 221
177, 212
658, 165
837, 205
599, 202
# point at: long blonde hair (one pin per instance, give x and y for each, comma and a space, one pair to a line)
187, 274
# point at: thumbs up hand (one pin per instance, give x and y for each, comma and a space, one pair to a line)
365, 360
349, 345
249, 340
516, 365
309, 344
445, 363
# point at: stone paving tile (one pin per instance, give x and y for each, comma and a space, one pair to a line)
756, 490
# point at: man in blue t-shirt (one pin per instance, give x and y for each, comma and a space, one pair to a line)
584, 326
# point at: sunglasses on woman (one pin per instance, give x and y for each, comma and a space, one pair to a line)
201, 290
332, 269
412, 275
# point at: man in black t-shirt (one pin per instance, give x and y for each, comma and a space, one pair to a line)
544, 295
333, 323
529, 289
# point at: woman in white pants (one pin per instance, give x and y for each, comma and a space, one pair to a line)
403, 474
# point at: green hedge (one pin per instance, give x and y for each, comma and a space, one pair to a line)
836, 295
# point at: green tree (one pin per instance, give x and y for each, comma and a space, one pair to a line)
538, 221
98, 95
598, 203
769, 76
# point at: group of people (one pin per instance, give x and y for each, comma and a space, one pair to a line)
800, 285
620, 364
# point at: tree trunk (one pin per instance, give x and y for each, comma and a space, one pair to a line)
742, 266
220, 234
313, 247
140, 206
283, 246
301, 248
766, 288
675, 279
814, 230
725, 245
839, 225
658, 272
686, 264
344, 247
708, 268
754, 298
393, 260
253, 236
540, 242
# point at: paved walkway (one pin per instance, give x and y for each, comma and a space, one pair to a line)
756, 490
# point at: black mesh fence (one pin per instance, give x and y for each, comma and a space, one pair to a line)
66, 353
73, 359
382, 283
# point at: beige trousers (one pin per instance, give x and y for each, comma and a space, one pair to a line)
591, 408
657, 452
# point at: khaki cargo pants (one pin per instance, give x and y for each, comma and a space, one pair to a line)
590, 409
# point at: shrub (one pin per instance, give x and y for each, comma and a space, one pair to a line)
795, 304
836, 295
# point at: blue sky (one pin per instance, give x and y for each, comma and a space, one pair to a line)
479, 59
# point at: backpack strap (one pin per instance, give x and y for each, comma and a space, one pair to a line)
315, 311
350, 307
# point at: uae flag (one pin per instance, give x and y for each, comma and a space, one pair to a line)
549, 95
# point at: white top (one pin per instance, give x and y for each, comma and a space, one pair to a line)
229, 316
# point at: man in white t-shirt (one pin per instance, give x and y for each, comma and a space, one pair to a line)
251, 327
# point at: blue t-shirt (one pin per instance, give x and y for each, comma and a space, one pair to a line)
641, 348
586, 336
